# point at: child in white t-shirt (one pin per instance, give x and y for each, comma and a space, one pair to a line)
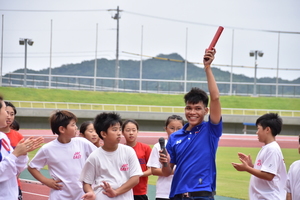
268, 172
113, 169
65, 157
163, 184
293, 180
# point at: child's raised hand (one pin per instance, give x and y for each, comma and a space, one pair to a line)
27, 145
37, 143
246, 162
89, 196
246, 158
108, 190
239, 166
21, 148
54, 184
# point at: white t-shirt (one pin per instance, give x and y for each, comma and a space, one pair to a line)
269, 159
65, 162
113, 167
163, 184
293, 180
10, 167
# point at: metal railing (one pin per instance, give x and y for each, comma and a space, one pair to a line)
147, 85
143, 108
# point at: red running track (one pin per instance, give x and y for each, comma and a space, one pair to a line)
35, 191
227, 140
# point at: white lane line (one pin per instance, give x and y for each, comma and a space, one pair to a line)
40, 195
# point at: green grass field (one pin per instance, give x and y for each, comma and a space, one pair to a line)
245, 102
230, 182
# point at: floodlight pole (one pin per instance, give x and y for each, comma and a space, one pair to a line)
117, 68
50, 67
141, 62
95, 65
24, 41
255, 53
25, 68
1, 66
185, 62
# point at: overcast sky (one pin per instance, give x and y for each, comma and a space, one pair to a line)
167, 25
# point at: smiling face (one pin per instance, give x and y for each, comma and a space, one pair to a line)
3, 115
91, 134
195, 114
130, 132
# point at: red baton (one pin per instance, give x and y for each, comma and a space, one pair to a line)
216, 38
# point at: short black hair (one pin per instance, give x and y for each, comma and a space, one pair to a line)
11, 105
105, 120
272, 120
61, 118
15, 125
196, 95
174, 117
128, 121
84, 126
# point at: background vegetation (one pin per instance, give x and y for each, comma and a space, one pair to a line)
152, 69
56, 95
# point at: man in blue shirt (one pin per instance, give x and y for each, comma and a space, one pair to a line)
193, 148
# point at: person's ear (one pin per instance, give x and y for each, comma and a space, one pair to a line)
206, 110
61, 129
268, 129
103, 134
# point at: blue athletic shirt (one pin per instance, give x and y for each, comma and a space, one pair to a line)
194, 153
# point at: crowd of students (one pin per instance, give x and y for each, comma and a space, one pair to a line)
96, 165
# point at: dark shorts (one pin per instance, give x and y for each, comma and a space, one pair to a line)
201, 195
140, 197
194, 198
20, 194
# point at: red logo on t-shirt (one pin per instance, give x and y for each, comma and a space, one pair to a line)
258, 163
77, 155
124, 167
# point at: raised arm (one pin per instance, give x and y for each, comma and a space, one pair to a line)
215, 105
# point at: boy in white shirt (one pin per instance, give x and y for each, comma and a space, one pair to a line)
113, 169
269, 172
293, 180
65, 157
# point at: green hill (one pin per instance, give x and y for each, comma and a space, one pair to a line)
152, 69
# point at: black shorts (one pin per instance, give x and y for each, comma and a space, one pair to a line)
140, 197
